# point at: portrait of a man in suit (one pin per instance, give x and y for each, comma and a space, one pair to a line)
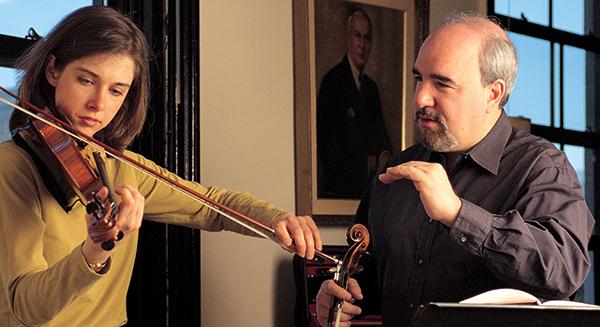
352, 140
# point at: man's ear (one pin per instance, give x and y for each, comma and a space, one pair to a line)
496, 91
51, 72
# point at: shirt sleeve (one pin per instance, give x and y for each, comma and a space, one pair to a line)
540, 246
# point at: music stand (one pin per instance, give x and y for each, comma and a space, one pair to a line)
488, 315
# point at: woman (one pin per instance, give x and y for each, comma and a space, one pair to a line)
92, 70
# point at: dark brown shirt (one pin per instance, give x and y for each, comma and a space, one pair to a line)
523, 224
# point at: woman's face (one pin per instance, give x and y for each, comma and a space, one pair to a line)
90, 91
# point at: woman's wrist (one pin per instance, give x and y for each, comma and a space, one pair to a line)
95, 257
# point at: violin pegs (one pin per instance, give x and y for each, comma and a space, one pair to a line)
91, 207
108, 245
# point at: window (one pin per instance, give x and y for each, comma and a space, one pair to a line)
555, 88
8, 81
16, 19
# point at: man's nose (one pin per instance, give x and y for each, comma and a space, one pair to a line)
363, 42
423, 97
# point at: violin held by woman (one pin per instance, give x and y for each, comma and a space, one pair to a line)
66, 258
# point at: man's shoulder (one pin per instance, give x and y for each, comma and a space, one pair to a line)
525, 142
529, 147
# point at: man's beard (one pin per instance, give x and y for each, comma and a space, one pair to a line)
440, 140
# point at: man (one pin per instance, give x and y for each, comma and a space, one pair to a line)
476, 204
351, 135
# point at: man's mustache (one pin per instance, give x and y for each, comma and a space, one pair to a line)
428, 114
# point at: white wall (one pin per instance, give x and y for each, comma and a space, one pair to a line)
247, 144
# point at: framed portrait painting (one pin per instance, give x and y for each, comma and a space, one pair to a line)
353, 87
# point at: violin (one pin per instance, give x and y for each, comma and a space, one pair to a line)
359, 235
93, 185
71, 162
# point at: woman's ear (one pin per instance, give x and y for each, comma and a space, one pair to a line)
52, 73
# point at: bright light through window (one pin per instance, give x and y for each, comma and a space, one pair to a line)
16, 17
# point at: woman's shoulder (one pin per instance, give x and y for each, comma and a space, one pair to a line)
16, 162
139, 158
10, 151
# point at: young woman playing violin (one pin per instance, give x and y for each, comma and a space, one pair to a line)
92, 70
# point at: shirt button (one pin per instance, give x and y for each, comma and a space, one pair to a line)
463, 239
411, 306
430, 220
421, 261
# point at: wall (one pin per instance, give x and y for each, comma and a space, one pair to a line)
247, 144
246, 85
439, 8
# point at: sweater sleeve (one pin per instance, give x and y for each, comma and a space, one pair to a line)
29, 282
166, 204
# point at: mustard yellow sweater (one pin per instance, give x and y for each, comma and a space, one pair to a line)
44, 280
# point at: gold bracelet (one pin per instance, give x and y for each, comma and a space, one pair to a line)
97, 266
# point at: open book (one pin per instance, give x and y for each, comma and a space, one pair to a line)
514, 296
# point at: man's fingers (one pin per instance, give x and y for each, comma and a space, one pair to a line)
328, 290
354, 289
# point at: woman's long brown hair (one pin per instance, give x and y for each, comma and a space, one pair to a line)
90, 31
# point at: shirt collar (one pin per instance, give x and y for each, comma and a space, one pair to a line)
355, 72
488, 152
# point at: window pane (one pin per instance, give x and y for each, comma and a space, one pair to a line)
587, 290
556, 85
574, 88
8, 80
534, 11
16, 17
567, 15
531, 95
576, 156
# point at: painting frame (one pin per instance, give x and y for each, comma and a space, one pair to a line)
331, 210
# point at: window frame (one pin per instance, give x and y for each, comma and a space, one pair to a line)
12, 48
590, 140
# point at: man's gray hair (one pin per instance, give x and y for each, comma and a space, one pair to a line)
498, 55
358, 13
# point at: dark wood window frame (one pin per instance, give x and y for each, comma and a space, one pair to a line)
590, 139
165, 289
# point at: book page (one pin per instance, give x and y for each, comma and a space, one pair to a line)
503, 296
563, 303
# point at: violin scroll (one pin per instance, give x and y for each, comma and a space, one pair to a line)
359, 234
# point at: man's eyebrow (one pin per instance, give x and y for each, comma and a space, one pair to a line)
437, 76
443, 78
